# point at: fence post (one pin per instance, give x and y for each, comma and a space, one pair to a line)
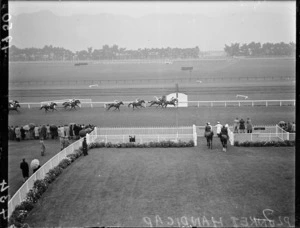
105, 139
198, 104
276, 130
280, 103
251, 137
195, 134
211, 104
29, 106
225, 104
266, 103
252, 104
87, 138
288, 136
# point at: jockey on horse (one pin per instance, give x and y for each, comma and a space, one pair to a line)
224, 136
208, 134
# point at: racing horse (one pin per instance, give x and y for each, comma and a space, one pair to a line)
224, 139
158, 101
13, 107
50, 106
173, 102
72, 104
115, 105
209, 134
137, 103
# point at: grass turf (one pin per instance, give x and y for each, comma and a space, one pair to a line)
143, 187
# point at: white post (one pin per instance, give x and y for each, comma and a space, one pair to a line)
276, 127
195, 134
288, 136
211, 104
251, 137
198, 104
105, 138
280, 103
266, 103
252, 104
29, 106
225, 104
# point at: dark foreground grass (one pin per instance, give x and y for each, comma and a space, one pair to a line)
172, 187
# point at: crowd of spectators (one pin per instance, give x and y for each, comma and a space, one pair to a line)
44, 132
242, 126
288, 126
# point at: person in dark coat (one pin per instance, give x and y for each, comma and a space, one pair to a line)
43, 132
224, 137
22, 133
242, 126
84, 147
25, 169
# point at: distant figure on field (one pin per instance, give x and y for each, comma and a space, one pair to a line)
242, 125
249, 125
208, 134
25, 169
84, 147
236, 125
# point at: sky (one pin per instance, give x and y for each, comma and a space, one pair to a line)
258, 21
138, 9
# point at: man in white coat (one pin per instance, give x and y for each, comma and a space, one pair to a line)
218, 126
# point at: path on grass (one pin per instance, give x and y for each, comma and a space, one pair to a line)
170, 187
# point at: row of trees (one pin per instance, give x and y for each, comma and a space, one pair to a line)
106, 53
256, 49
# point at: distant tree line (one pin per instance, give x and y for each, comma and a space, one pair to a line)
50, 53
258, 49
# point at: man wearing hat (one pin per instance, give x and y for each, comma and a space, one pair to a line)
218, 126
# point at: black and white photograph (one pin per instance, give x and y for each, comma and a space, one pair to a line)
151, 113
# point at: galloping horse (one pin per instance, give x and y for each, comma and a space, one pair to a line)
51, 107
14, 107
115, 105
136, 104
158, 103
72, 104
173, 102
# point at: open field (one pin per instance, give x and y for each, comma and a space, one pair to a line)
64, 71
172, 187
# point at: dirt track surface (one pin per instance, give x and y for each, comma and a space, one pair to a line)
171, 187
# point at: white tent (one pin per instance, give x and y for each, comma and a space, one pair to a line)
182, 99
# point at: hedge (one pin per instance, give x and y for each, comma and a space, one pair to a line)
265, 143
21, 211
164, 144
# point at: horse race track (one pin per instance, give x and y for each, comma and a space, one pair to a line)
172, 187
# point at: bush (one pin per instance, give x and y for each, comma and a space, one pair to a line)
17, 218
266, 143
64, 163
72, 157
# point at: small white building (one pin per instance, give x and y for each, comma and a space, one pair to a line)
182, 99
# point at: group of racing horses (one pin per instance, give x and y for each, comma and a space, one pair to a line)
160, 102
13, 105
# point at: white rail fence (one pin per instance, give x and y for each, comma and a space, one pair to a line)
227, 103
147, 134
20, 195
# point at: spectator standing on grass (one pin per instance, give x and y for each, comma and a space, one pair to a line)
40, 132
48, 131
289, 127
84, 147
43, 148
61, 142
62, 132
22, 133
293, 127
25, 169
249, 125
43, 132
236, 123
36, 132
66, 130
18, 133
218, 126
242, 125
